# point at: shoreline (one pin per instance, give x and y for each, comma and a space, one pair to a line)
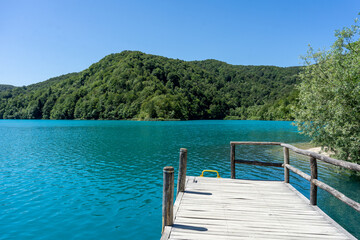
320, 151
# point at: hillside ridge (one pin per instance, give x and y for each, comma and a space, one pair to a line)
136, 85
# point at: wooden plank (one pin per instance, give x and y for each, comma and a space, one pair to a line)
294, 219
240, 229
254, 143
259, 163
178, 200
253, 234
199, 236
240, 223
166, 233
235, 181
254, 228
247, 210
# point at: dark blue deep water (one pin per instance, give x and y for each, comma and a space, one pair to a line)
103, 179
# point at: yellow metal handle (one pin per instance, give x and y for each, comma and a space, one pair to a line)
218, 175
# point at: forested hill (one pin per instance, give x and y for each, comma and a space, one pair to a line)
132, 84
4, 87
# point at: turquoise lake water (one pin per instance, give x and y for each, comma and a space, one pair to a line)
103, 179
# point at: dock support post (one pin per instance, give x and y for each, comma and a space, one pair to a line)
168, 197
232, 160
286, 161
314, 175
182, 171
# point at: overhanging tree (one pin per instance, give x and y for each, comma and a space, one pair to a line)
329, 96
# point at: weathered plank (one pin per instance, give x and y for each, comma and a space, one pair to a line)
255, 143
259, 163
166, 233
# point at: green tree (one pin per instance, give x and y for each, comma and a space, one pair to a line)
329, 99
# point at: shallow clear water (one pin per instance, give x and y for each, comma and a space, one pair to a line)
103, 179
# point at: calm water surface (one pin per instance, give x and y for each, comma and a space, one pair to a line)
103, 179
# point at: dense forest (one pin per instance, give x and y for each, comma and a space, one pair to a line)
135, 85
4, 87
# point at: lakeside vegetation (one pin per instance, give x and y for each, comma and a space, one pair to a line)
328, 110
135, 85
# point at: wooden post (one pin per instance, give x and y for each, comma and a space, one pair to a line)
168, 197
232, 160
182, 171
314, 175
286, 161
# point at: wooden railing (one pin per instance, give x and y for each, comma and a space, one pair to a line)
314, 182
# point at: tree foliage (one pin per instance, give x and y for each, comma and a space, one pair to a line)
4, 87
329, 96
132, 84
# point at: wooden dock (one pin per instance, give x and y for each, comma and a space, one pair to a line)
220, 208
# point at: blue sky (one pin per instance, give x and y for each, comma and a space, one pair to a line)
44, 39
